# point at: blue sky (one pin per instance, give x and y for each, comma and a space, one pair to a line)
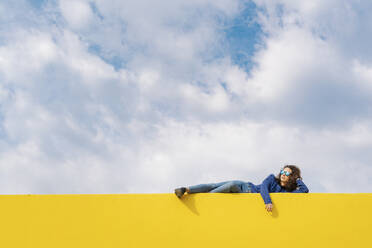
142, 97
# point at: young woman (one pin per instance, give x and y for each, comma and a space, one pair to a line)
288, 180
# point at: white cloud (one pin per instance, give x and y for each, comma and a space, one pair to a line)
77, 12
363, 75
215, 101
29, 52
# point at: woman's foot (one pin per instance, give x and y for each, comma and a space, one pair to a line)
180, 191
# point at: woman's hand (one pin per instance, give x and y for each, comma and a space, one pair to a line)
269, 207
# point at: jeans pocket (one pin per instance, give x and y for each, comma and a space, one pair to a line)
246, 188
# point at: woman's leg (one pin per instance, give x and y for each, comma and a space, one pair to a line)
204, 188
222, 187
229, 187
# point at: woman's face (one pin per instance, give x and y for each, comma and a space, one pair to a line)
283, 177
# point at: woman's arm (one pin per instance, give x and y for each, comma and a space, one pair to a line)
301, 187
264, 188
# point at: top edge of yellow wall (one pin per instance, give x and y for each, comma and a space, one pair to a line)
146, 194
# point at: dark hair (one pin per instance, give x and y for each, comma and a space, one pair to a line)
291, 184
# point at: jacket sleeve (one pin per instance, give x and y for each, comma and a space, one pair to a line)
265, 188
301, 187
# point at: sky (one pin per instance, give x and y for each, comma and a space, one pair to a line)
119, 96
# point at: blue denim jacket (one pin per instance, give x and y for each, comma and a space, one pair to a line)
269, 185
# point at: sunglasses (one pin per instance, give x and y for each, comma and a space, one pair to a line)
287, 173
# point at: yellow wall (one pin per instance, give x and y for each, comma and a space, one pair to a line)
200, 220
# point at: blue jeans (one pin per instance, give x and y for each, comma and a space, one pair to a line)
222, 187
